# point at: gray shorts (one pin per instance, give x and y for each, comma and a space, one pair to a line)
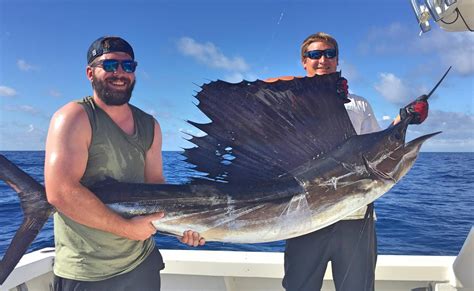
350, 245
144, 277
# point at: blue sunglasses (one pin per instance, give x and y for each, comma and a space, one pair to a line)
111, 65
317, 54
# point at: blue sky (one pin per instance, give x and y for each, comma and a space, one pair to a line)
180, 45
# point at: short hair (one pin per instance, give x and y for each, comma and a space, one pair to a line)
321, 37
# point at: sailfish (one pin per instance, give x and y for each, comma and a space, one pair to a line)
279, 160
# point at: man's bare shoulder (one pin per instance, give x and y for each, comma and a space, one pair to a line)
69, 130
71, 111
71, 119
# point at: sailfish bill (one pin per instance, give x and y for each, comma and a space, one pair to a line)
279, 160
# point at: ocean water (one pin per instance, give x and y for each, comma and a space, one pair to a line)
429, 212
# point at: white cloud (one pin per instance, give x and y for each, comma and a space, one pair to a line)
152, 112
349, 71
456, 49
237, 77
456, 125
22, 108
7, 91
145, 75
208, 54
234, 78
55, 93
396, 91
386, 117
386, 40
447, 48
457, 131
28, 109
24, 66
21, 136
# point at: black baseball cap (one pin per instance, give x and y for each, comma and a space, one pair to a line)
108, 44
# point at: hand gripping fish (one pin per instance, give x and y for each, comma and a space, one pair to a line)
280, 160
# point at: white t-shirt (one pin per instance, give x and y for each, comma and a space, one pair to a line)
361, 115
364, 121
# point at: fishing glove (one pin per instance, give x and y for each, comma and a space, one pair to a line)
418, 110
342, 89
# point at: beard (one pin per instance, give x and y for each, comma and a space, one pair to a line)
109, 95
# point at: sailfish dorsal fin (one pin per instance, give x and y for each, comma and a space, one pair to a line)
260, 131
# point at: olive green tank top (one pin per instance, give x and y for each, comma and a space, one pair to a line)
88, 254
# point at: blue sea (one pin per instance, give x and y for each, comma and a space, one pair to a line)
429, 212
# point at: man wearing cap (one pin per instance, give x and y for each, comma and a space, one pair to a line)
98, 138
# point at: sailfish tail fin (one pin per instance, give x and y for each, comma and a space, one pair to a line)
36, 211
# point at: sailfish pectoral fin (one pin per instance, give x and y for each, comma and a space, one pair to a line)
375, 172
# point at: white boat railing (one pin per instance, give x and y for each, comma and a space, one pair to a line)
228, 270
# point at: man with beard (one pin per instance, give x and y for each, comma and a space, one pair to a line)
89, 141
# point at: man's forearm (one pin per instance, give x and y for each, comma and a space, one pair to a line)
82, 206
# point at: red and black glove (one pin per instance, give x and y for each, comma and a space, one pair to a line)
418, 110
343, 89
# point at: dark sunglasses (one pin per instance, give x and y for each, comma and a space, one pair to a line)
111, 65
317, 54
